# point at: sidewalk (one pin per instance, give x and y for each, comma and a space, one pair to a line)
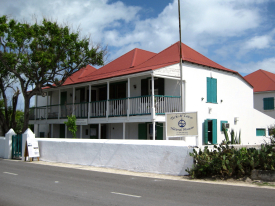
232, 182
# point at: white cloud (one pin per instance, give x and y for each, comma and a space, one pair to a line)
266, 64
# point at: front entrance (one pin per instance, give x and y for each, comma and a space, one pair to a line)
145, 131
17, 146
210, 131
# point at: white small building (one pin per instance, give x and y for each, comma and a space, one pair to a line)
264, 92
117, 101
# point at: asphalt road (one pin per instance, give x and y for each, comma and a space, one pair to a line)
29, 184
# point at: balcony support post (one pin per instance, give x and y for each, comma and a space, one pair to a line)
59, 102
153, 98
107, 103
99, 131
128, 100
89, 103
124, 127
73, 100
47, 107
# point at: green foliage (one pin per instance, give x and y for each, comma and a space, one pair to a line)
71, 125
226, 161
43, 54
234, 139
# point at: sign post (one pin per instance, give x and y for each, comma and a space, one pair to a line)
181, 124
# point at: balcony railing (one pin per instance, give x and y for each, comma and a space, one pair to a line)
118, 107
141, 105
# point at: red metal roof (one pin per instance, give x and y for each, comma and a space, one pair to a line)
138, 60
120, 66
171, 55
261, 80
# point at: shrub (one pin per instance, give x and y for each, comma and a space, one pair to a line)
227, 161
71, 124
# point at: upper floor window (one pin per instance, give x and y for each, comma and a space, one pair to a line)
211, 90
268, 103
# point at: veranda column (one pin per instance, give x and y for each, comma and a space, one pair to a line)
51, 130
89, 103
47, 107
59, 102
154, 130
107, 103
73, 100
80, 131
128, 100
153, 97
124, 127
99, 131
66, 133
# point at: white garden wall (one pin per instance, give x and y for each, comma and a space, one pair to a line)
163, 157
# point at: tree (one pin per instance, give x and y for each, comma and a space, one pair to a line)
71, 124
43, 54
7, 111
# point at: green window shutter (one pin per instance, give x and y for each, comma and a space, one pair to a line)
222, 123
214, 131
159, 131
142, 131
161, 86
214, 90
260, 132
144, 87
268, 103
211, 90
206, 131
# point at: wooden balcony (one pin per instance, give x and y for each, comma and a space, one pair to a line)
132, 106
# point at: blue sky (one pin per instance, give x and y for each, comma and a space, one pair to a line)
238, 34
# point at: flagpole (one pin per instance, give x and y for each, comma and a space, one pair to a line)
181, 73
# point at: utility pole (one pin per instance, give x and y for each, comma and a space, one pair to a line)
181, 73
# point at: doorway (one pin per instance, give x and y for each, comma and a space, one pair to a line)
210, 131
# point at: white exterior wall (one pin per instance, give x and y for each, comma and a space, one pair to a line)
131, 131
161, 157
259, 103
234, 99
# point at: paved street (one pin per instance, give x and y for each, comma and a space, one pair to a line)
23, 183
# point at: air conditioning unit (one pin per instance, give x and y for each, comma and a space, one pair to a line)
226, 125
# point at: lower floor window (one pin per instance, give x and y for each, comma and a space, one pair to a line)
260, 132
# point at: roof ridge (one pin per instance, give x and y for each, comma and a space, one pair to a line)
265, 73
134, 58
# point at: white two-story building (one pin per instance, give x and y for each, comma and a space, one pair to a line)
117, 101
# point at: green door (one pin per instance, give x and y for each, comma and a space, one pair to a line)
62, 131
142, 131
159, 131
210, 131
214, 131
205, 131
17, 146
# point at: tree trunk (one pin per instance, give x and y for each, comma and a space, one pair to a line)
4, 117
14, 105
26, 112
